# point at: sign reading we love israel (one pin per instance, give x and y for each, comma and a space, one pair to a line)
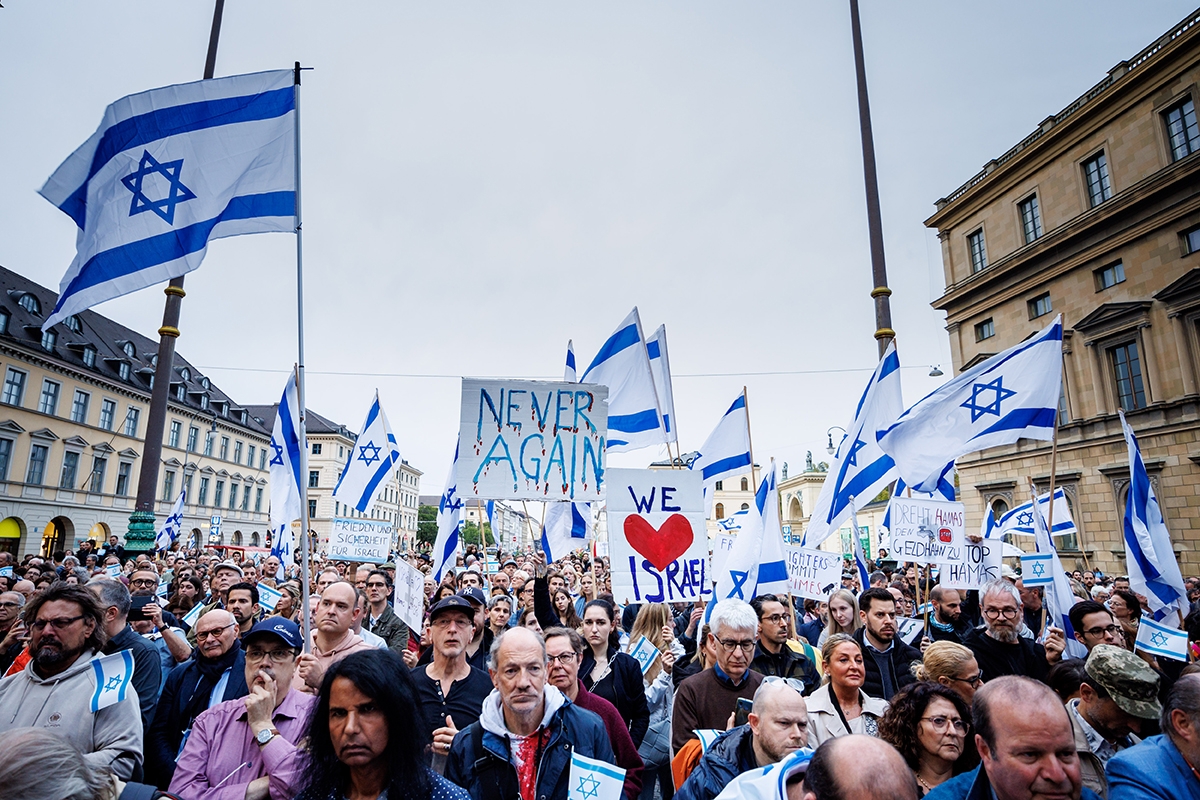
658, 543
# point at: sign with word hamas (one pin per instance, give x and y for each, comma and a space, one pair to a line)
360, 540
532, 440
979, 564
927, 531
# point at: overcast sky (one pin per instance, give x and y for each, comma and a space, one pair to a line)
483, 181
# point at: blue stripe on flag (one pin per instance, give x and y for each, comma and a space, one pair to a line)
863, 479
603, 770
1022, 418
653, 350
633, 423
145, 253
626, 337
772, 571
739, 403
725, 464
172, 121
384, 468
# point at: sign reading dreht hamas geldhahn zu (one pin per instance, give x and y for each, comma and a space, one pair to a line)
532, 440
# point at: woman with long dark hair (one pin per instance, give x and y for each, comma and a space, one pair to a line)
564, 607
606, 671
366, 736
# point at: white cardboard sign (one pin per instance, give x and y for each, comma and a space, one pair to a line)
360, 540
812, 573
409, 602
980, 563
927, 531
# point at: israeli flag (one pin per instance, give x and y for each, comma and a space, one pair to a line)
623, 365
172, 525
1036, 570
733, 523
569, 371
167, 171
707, 736
268, 598
860, 560
565, 529
591, 779
1161, 640
660, 367
1013, 395
726, 451
1019, 520
756, 563
449, 522
192, 617
371, 460
1057, 596
860, 468
113, 676
288, 443
283, 547
1153, 570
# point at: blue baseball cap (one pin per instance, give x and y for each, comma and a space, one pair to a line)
279, 627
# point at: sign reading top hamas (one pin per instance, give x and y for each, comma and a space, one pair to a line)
532, 440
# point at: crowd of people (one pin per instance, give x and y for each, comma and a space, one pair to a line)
900, 689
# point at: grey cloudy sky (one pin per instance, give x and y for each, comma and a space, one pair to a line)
483, 181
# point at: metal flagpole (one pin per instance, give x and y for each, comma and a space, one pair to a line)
303, 411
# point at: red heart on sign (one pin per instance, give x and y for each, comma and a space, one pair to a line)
660, 547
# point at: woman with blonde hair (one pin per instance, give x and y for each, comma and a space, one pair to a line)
843, 615
841, 707
655, 622
953, 666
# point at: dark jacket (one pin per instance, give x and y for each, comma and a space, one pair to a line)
787, 663
626, 690
480, 761
952, 633
1158, 756
389, 628
898, 661
974, 785
731, 754
997, 659
811, 631
147, 668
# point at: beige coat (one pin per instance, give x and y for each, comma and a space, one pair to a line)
824, 722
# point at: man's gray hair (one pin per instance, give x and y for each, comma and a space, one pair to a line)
20, 598
494, 652
70, 561
40, 765
1000, 586
112, 594
1184, 696
732, 615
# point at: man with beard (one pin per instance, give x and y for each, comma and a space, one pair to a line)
54, 690
216, 673
998, 649
887, 659
947, 623
242, 601
247, 747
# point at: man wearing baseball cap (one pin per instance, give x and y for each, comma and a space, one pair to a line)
247, 747
1118, 695
477, 649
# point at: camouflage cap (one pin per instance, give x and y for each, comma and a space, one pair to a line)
1129, 681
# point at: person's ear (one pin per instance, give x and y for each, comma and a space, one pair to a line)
985, 752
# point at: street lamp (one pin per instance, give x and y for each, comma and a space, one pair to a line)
829, 436
936, 372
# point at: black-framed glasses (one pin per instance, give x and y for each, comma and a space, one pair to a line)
58, 623
144, 582
775, 619
276, 656
730, 645
995, 613
973, 681
564, 659
1115, 630
214, 633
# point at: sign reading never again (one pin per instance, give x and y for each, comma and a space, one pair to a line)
532, 440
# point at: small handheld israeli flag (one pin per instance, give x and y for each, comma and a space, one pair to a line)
592, 779
163, 588
6, 572
370, 463
191, 617
645, 652
707, 736
1160, 640
113, 570
113, 675
268, 598
1037, 569
172, 524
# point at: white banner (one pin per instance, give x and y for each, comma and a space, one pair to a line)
979, 564
409, 602
532, 440
813, 573
657, 536
360, 540
721, 550
927, 531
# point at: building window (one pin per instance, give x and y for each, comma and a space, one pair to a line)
6, 447
123, 370
208, 441
187, 484
1127, 369
89, 357
1107, 277
30, 303
262, 459
99, 465
128, 349
108, 411
985, 330
1181, 129
181, 392
1095, 173
203, 402
4, 317
745, 507
131, 421
14, 387
250, 453
316, 449
70, 469
237, 452
1191, 241
233, 490
978, 252
48, 403
73, 323
79, 407
124, 471
1039, 306
218, 493
745, 485
1031, 220
202, 499
314, 479
37, 464
193, 438
175, 433
341, 452
204, 384
168, 485
312, 509
185, 373
246, 498
49, 339
224, 448
720, 485
1064, 410
258, 499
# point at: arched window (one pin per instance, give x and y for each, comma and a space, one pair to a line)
745, 506
73, 323
745, 485
30, 303
185, 374
999, 508
128, 349
720, 511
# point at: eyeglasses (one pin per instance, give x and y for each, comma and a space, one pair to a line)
59, 624
214, 633
144, 582
564, 659
973, 681
9, 605
939, 724
794, 683
994, 613
775, 619
1113, 629
730, 645
277, 656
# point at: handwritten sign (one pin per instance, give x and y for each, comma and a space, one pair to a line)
910, 629
980, 563
532, 440
813, 573
360, 540
721, 550
927, 531
409, 603
645, 652
1037, 569
657, 536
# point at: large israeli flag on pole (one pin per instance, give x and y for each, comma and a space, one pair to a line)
860, 468
756, 563
113, 674
623, 365
449, 522
566, 526
1013, 395
1020, 519
660, 367
1149, 557
370, 462
287, 445
1057, 596
167, 171
569, 370
172, 524
726, 451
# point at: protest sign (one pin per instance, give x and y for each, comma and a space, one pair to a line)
645, 652
909, 629
657, 536
601, 549
268, 598
927, 531
813, 573
360, 540
1037, 569
979, 564
721, 550
532, 440
409, 604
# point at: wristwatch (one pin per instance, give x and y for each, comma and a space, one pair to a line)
265, 735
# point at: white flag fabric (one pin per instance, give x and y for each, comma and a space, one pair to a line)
370, 462
113, 675
860, 470
449, 522
756, 563
726, 451
945, 491
565, 529
287, 446
1057, 597
660, 367
623, 365
1020, 519
1161, 640
1149, 556
167, 171
591, 779
172, 524
1013, 395
569, 371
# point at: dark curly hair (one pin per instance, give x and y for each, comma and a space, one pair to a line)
898, 727
382, 676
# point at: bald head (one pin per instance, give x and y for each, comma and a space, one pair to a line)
25, 587
861, 767
337, 612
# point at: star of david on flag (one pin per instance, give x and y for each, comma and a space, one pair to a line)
172, 525
994, 393
113, 675
1159, 639
176, 191
1020, 521
449, 522
375, 455
592, 779
288, 443
756, 563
